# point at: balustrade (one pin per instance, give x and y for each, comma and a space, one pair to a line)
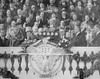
19, 63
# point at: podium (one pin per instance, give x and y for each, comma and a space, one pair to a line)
46, 58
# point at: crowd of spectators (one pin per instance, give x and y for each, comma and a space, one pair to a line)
78, 20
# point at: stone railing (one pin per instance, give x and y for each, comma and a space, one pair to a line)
18, 63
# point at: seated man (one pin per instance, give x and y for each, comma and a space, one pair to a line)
15, 35
74, 22
86, 23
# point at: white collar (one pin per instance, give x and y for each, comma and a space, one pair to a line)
97, 32
77, 33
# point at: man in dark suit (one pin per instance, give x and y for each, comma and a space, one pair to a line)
3, 40
15, 34
43, 19
79, 10
79, 38
65, 17
96, 40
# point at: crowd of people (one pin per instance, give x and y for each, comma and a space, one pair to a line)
4, 73
77, 20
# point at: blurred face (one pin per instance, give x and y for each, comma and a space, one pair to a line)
86, 18
12, 6
89, 1
36, 24
8, 13
28, 20
8, 20
27, 2
13, 23
37, 18
25, 7
40, 30
19, 12
74, 17
71, 7
63, 13
41, 5
42, 14
62, 23
52, 1
19, 20
74, 0
79, 3
89, 5
88, 28
53, 15
33, 7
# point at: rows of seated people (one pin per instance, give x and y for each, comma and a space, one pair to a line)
77, 20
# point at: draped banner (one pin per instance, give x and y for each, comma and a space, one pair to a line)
47, 58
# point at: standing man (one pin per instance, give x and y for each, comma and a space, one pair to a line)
96, 40
79, 38
3, 41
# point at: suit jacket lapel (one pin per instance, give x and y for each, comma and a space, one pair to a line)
97, 36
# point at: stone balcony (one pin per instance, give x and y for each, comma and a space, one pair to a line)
19, 63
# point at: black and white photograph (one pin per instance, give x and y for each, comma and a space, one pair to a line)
49, 39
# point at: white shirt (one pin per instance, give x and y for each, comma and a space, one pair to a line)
97, 32
77, 33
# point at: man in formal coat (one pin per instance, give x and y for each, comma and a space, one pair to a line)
65, 17
3, 41
89, 9
79, 38
96, 40
74, 22
15, 34
79, 10
86, 23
